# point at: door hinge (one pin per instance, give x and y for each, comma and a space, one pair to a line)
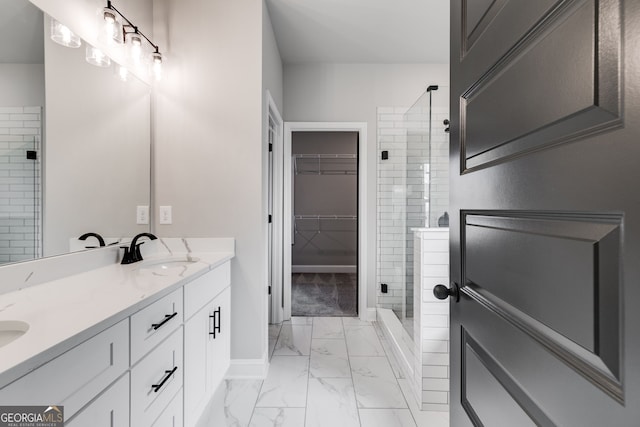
270, 219
270, 147
269, 290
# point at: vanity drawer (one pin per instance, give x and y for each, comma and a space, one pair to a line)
156, 380
203, 289
154, 323
172, 416
75, 377
108, 410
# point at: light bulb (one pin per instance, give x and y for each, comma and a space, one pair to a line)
61, 34
95, 56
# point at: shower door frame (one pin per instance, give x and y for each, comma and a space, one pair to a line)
361, 128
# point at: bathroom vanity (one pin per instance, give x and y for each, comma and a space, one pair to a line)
144, 344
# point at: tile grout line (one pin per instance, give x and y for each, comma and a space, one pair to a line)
253, 411
306, 403
353, 384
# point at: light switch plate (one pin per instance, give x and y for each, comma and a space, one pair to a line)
165, 215
142, 215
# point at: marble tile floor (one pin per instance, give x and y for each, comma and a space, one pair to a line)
324, 371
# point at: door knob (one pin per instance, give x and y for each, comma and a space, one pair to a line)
442, 292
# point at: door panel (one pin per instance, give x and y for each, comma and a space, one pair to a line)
545, 230
571, 69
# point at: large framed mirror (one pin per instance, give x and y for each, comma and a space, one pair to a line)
75, 142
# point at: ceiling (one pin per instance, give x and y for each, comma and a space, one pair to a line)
21, 33
361, 31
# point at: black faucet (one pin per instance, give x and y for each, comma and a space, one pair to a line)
132, 253
96, 235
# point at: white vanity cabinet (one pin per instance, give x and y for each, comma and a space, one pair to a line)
157, 367
206, 339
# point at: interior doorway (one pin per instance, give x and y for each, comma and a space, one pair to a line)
324, 249
324, 267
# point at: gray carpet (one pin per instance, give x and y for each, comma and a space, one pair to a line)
324, 294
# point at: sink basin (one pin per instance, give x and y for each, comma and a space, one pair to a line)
168, 263
11, 330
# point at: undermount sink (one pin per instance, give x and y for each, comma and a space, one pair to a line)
11, 330
168, 263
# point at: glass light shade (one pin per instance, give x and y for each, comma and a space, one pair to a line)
61, 34
156, 65
95, 56
134, 45
112, 28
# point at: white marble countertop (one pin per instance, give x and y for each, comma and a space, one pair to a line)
63, 313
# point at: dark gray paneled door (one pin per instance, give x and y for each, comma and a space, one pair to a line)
545, 231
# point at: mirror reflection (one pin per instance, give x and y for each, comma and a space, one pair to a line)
74, 142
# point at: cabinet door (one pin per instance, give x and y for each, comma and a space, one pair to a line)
219, 344
108, 410
196, 339
172, 415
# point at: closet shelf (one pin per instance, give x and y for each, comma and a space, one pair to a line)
348, 217
325, 164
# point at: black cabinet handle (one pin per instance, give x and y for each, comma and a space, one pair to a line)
216, 325
157, 387
167, 317
219, 311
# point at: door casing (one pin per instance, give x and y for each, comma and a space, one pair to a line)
361, 128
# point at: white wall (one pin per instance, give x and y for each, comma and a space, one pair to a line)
208, 149
352, 92
21, 85
272, 78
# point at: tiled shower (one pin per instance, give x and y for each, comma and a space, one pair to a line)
412, 245
412, 192
20, 183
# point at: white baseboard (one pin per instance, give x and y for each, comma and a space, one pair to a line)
371, 314
248, 368
324, 269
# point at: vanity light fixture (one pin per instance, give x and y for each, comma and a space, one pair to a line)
133, 38
95, 56
61, 34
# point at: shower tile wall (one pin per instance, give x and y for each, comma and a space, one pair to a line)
402, 187
20, 207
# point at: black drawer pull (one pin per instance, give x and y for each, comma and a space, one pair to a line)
157, 387
167, 317
216, 325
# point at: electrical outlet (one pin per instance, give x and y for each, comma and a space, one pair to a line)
165, 215
142, 215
